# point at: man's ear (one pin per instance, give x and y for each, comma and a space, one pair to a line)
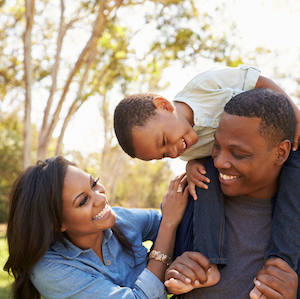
163, 104
283, 151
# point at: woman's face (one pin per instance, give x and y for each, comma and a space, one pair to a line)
85, 207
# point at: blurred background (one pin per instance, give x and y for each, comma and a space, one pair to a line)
65, 65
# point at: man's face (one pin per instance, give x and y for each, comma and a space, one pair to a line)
165, 135
245, 165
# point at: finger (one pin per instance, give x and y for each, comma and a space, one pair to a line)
277, 264
177, 287
199, 177
295, 143
201, 184
267, 291
255, 293
201, 168
173, 273
192, 190
178, 180
190, 271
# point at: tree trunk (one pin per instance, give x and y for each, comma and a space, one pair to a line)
27, 133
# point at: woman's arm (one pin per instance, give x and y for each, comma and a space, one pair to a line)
173, 207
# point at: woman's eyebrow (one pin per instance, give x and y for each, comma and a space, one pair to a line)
91, 181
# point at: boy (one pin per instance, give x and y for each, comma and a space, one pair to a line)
150, 127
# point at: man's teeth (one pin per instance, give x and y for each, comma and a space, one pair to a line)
102, 213
227, 177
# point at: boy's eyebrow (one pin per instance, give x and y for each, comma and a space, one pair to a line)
91, 180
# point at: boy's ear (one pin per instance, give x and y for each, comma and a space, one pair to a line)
163, 104
283, 151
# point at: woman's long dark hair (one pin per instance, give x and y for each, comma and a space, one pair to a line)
35, 220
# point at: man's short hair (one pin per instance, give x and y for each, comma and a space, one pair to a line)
132, 111
275, 110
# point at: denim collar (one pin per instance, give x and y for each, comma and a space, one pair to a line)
72, 251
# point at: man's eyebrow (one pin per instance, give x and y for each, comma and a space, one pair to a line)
91, 180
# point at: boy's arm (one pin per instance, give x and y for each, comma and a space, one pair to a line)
264, 82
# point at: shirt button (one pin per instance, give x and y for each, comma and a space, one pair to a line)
108, 263
214, 124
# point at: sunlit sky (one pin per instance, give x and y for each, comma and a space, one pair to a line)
272, 24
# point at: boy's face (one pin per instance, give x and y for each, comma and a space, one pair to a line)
165, 135
245, 165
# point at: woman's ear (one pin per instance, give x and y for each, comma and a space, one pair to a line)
163, 104
63, 228
283, 151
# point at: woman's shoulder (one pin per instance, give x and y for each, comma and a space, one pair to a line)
138, 221
124, 214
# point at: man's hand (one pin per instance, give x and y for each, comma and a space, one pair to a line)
190, 270
276, 280
195, 172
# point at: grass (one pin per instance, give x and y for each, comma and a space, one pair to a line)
5, 279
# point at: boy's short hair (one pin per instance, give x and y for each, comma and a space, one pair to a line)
275, 110
133, 111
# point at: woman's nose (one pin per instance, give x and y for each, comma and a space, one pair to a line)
98, 198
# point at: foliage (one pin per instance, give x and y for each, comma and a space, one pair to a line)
143, 184
128, 182
10, 156
88, 49
5, 279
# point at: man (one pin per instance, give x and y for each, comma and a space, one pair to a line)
251, 144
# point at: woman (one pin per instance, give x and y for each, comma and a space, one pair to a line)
65, 241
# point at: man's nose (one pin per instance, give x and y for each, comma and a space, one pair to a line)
221, 161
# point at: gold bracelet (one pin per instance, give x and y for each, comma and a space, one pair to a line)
161, 257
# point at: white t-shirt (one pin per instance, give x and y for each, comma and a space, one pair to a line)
207, 94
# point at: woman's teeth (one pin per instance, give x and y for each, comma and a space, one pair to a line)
102, 213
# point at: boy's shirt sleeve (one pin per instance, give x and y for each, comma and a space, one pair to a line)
207, 94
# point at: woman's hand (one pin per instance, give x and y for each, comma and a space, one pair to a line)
175, 200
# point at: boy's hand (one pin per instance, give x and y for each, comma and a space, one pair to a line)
195, 172
275, 280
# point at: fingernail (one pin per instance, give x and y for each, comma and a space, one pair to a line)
187, 280
196, 282
257, 283
208, 270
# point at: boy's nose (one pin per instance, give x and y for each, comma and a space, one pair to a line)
173, 153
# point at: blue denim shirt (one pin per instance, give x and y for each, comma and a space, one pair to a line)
75, 273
